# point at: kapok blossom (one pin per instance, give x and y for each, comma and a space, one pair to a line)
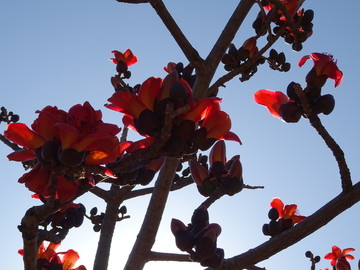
144, 111
127, 57
69, 139
50, 257
324, 65
272, 100
287, 211
339, 258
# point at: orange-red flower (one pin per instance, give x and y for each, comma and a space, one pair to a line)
63, 138
49, 255
272, 100
324, 65
127, 57
290, 5
286, 211
339, 258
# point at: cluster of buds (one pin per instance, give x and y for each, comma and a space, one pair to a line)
221, 175
199, 238
290, 107
277, 61
295, 25
143, 173
282, 217
184, 72
68, 217
8, 117
97, 218
234, 58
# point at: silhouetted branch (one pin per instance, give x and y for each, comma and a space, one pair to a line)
191, 54
146, 237
291, 236
161, 256
338, 153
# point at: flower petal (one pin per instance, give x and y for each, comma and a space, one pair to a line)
20, 134
22, 155
271, 99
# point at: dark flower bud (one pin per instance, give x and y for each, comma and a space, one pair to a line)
147, 123
144, 176
184, 240
325, 104
93, 211
280, 58
314, 80
97, 228
232, 49
179, 67
274, 227
286, 224
297, 46
285, 67
178, 94
273, 214
200, 215
242, 54
317, 259
308, 254
265, 229
121, 67
290, 112
15, 118
273, 54
70, 157
49, 150
308, 15
290, 91
122, 210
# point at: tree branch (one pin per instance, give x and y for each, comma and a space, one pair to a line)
289, 237
191, 54
213, 59
115, 198
146, 237
161, 256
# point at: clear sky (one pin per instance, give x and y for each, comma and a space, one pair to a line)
55, 53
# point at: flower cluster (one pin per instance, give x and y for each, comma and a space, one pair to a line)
289, 107
61, 141
199, 238
295, 31
197, 124
222, 175
282, 217
49, 259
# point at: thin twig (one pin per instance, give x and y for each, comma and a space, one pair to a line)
191, 54
162, 256
338, 153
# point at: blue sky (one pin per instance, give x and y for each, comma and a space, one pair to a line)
55, 53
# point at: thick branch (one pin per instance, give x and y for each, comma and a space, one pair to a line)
115, 198
191, 54
221, 45
146, 237
287, 238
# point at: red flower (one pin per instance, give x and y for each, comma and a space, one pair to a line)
286, 211
324, 65
67, 259
272, 100
127, 57
339, 257
63, 138
250, 46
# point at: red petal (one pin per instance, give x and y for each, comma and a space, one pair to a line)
68, 135
271, 99
66, 190
198, 172
231, 136
22, 155
278, 205
218, 153
70, 258
126, 103
20, 134
149, 92
304, 59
